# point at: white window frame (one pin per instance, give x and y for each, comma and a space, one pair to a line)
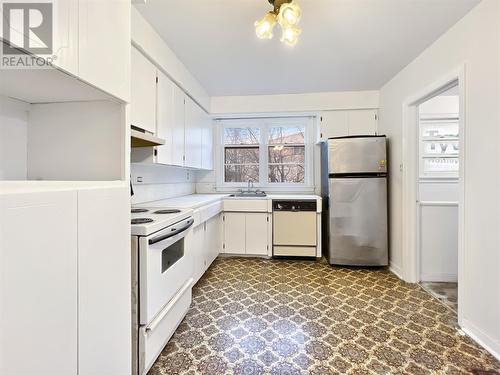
264, 124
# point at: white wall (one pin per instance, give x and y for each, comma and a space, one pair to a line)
475, 42
310, 102
160, 182
13, 139
153, 46
76, 141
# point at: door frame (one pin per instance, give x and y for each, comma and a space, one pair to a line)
410, 168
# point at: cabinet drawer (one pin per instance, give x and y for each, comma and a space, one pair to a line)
245, 205
154, 337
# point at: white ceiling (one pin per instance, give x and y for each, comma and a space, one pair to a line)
345, 44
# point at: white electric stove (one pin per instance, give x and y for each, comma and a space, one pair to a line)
162, 277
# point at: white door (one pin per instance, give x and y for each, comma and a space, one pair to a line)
143, 106
363, 122
104, 281
234, 233
194, 123
207, 143
256, 233
334, 124
178, 145
104, 45
165, 118
38, 288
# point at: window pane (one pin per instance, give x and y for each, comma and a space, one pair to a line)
241, 136
241, 155
286, 134
286, 173
241, 173
287, 154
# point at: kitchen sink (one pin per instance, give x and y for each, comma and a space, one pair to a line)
249, 194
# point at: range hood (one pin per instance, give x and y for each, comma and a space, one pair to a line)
143, 139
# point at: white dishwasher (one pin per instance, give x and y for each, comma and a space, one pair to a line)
294, 228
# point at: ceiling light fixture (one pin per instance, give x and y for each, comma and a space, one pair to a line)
287, 13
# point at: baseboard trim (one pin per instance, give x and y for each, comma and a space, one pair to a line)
481, 338
395, 269
439, 277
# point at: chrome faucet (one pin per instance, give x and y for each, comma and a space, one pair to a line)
250, 183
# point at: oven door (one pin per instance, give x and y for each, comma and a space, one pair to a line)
164, 267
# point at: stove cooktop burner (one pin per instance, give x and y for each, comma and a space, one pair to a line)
161, 212
138, 210
142, 221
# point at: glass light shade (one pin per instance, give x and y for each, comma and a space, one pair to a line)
290, 35
289, 15
264, 27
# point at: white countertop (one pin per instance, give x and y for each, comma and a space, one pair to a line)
192, 201
195, 201
34, 186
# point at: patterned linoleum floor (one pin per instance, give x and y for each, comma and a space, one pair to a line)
255, 316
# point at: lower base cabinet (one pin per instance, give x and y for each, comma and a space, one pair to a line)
246, 233
205, 245
38, 287
65, 298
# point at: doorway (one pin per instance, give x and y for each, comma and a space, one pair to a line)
433, 188
437, 194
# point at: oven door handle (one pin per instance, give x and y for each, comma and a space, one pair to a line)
174, 232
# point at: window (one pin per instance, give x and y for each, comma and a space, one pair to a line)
241, 154
439, 150
267, 152
287, 154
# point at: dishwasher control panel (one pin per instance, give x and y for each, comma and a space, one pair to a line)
294, 205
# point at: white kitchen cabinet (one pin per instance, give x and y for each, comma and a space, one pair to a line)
256, 224
65, 35
104, 294
363, 122
143, 105
104, 45
178, 133
334, 124
213, 238
234, 233
196, 247
165, 118
38, 290
246, 233
205, 245
207, 141
348, 123
193, 136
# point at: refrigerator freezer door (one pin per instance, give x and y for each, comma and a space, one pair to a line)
357, 155
358, 221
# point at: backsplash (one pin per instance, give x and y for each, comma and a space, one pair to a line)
153, 182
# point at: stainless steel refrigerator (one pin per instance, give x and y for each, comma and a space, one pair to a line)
354, 190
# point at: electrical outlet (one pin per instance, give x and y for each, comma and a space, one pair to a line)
188, 176
139, 179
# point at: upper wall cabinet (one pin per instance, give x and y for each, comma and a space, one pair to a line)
65, 36
104, 45
207, 141
178, 130
164, 118
348, 123
85, 44
193, 128
143, 82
